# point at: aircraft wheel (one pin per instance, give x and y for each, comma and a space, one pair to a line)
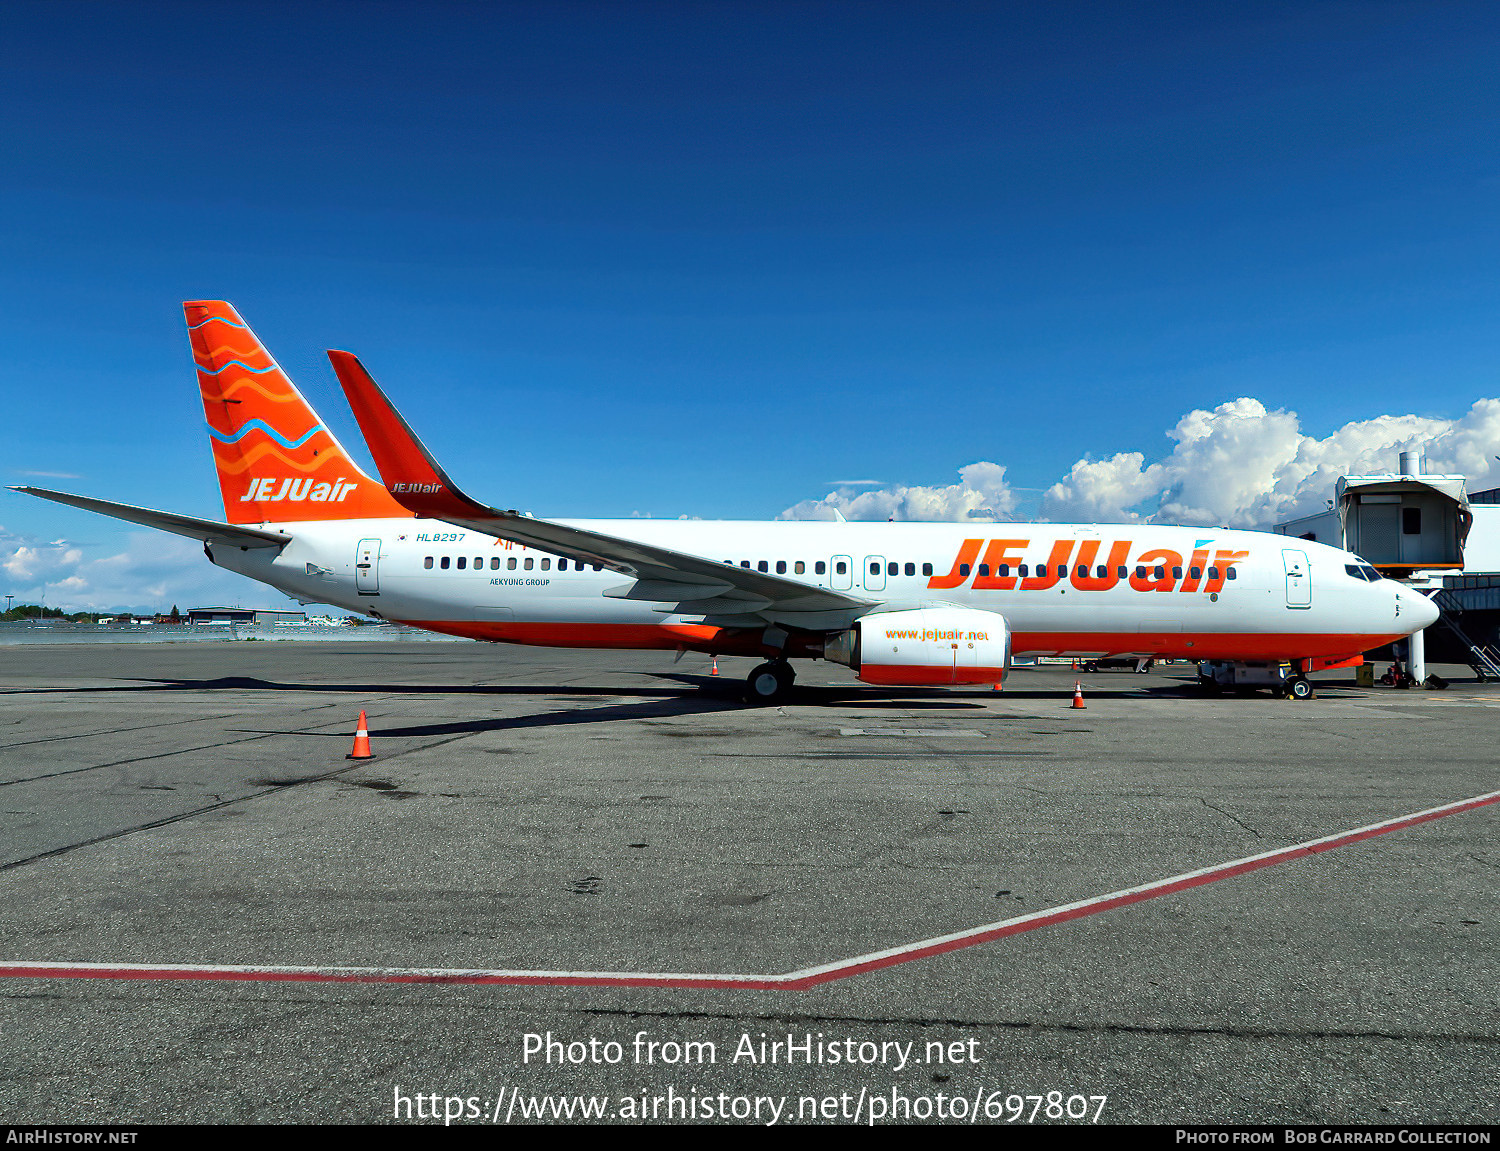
1299, 688
770, 683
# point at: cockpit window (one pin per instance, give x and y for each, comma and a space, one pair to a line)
1363, 571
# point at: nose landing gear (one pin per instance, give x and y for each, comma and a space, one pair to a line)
1299, 687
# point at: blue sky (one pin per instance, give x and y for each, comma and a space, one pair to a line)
705, 259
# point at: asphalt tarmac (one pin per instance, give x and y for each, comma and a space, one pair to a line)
565, 812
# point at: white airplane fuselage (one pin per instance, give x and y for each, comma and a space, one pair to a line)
1086, 590
901, 604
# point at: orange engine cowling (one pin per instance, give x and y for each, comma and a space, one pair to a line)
925, 647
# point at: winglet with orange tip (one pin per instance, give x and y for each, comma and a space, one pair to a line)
421, 486
406, 467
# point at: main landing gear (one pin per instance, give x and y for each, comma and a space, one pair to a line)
770, 683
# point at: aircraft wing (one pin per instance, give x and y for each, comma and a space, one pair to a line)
696, 585
209, 531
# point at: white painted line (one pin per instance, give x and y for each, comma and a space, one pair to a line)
913, 731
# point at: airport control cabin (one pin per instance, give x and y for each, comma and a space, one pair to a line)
1427, 530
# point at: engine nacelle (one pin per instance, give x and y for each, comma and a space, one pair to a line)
925, 647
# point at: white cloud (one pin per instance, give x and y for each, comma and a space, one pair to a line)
980, 494
152, 573
1239, 465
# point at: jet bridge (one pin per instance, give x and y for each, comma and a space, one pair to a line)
1410, 525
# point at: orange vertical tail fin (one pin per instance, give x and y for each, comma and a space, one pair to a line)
277, 462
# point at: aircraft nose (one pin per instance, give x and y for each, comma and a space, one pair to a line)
1417, 611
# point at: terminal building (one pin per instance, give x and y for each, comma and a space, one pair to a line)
244, 615
1430, 533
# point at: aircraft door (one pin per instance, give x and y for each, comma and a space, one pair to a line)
367, 567
841, 573
874, 573
1298, 578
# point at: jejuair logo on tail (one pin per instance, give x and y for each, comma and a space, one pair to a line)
260, 490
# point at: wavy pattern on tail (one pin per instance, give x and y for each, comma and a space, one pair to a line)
277, 461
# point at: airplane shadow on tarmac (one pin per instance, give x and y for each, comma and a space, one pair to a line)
696, 688
690, 695
246, 683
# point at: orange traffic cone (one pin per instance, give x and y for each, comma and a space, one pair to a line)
1077, 695
715, 669
998, 687
361, 741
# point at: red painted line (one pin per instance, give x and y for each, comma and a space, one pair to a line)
799, 980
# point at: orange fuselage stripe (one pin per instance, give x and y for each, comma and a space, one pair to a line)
702, 637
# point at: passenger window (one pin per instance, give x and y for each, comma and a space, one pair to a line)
1196, 573
1176, 573
427, 563
819, 568
562, 565
781, 567
1022, 570
1231, 574
926, 569
762, 566
984, 570
1083, 572
1140, 572
528, 563
911, 569
1213, 573
744, 563
1161, 573
479, 563
1122, 572
892, 569
841, 567
963, 569
874, 569
1102, 572
546, 564
1062, 570
1003, 570
462, 562
511, 563
444, 564
494, 563
798, 568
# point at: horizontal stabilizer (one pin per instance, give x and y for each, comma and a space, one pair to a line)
209, 531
